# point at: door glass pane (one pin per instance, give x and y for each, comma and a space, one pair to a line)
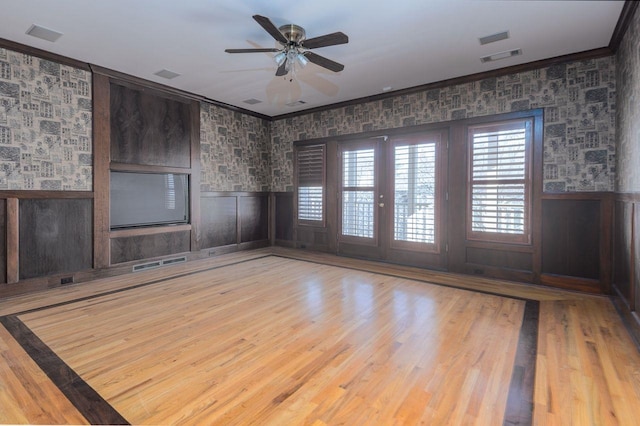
358, 193
358, 168
357, 213
415, 193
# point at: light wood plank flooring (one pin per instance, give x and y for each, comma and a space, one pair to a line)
278, 336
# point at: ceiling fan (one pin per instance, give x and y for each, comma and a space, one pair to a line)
295, 46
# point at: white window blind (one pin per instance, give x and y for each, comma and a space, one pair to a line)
310, 177
499, 184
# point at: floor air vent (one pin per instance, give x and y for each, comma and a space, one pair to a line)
171, 261
145, 266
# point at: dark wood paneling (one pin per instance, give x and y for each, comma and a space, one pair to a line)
571, 238
310, 237
254, 218
284, 216
147, 128
55, 236
635, 288
127, 249
218, 221
509, 259
3, 241
622, 248
626, 260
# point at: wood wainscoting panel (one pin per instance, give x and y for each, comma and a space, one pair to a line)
254, 217
571, 238
635, 288
3, 240
500, 258
283, 220
218, 221
56, 236
622, 239
127, 249
626, 260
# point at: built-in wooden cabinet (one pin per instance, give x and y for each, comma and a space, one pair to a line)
143, 130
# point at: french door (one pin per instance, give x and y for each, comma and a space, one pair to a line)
391, 199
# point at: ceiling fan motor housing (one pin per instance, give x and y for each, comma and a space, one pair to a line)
294, 33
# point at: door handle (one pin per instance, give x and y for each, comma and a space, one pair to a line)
381, 205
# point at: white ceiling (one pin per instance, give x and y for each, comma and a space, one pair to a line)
397, 44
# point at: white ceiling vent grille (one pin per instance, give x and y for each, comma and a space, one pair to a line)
494, 37
43, 33
501, 55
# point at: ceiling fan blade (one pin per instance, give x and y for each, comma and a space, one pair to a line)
324, 62
270, 28
282, 69
251, 50
326, 40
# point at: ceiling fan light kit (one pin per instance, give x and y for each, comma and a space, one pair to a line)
295, 50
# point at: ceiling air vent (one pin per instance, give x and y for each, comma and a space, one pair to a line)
164, 73
252, 101
494, 37
295, 103
501, 55
43, 33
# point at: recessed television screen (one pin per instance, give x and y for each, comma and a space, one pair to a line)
147, 199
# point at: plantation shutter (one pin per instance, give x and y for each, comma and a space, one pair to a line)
310, 162
499, 190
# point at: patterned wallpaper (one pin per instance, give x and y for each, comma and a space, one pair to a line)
628, 113
45, 125
579, 106
234, 151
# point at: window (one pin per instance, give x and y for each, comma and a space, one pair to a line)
310, 162
499, 189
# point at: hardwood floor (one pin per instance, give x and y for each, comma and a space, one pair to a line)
278, 336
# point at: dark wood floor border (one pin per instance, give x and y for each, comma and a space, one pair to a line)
88, 402
519, 409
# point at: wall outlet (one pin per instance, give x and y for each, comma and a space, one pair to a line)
66, 280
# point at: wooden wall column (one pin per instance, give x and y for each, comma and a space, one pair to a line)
101, 159
13, 240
